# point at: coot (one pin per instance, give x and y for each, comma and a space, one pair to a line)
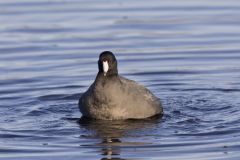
113, 97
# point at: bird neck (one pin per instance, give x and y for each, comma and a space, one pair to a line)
109, 75
102, 80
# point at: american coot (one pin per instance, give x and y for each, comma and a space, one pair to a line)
113, 97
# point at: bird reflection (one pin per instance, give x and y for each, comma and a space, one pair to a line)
111, 133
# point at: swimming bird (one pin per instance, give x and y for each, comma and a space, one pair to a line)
113, 97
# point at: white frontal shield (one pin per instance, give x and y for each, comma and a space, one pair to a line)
105, 67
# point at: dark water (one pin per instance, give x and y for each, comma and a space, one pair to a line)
187, 52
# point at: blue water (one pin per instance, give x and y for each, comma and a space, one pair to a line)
186, 52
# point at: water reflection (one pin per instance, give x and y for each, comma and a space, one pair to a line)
112, 133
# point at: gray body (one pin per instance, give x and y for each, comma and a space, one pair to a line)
115, 97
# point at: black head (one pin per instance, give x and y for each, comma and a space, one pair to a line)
107, 64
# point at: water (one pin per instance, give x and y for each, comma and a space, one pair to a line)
186, 52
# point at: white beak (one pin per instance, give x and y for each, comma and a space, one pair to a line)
105, 67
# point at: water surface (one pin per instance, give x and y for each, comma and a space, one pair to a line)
186, 52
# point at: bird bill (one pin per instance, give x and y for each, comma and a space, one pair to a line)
105, 67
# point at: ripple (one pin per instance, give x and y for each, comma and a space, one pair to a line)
55, 97
212, 89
